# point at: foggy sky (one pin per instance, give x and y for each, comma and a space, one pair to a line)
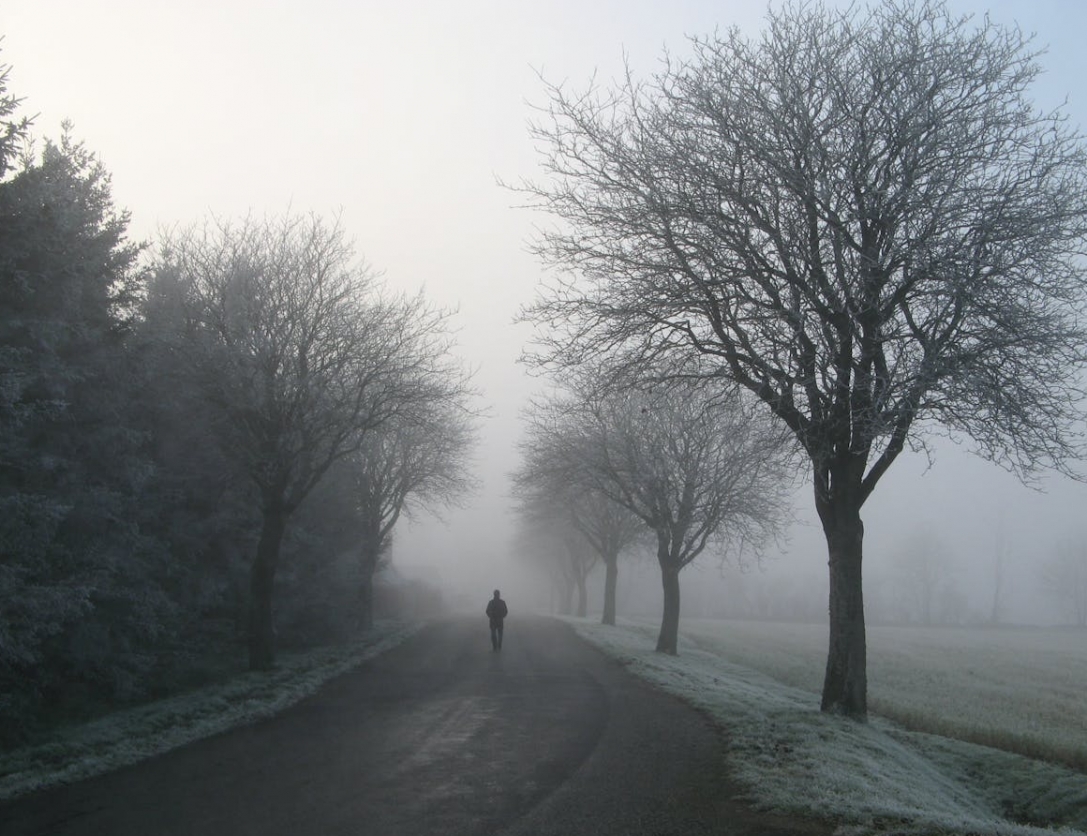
403, 116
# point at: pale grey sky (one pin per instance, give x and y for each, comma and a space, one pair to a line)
403, 115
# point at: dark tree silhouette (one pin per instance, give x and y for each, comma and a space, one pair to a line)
547, 537
13, 129
546, 480
698, 469
861, 218
290, 341
418, 458
81, 586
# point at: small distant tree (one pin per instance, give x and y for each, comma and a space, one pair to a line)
576, 562
547, 538
698, 470
860, 217
416, 459
604, 525
609, 528
922, 570
1063, 579
998, 559
289, 340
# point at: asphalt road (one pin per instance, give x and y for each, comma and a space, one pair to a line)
439, 736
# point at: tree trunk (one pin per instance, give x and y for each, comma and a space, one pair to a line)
845, 687
611, 577
582, 597
261, 584
668, 639
998, 588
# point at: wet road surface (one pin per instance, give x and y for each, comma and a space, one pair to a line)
440, 735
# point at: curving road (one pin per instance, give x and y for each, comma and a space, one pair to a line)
438, 736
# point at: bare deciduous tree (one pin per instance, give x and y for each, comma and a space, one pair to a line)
997, 564
300, 356
922, 573
419, 459
548, 537
607, 527
697, 469
861, 218
1063, 579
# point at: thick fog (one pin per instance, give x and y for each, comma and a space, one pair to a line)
405, 117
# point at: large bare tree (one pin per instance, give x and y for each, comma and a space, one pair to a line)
859, 216
290, 340
698, 468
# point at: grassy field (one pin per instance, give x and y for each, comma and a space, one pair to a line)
1023, 690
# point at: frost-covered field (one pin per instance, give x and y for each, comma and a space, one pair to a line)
877, 778
130, 736
1017, 689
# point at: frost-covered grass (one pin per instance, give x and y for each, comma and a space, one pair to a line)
874, 778
129, 736
1016, 689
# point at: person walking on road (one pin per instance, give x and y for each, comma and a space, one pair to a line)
496, 612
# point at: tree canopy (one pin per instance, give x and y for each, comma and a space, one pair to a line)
861, 217
301, 357
697, 468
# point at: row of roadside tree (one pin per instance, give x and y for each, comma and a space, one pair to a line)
205, 440
856, 229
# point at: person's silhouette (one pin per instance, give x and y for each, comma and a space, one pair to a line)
496, 612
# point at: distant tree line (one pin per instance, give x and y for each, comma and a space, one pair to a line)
681, 469
205, 442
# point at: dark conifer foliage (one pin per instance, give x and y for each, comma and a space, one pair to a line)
78, 583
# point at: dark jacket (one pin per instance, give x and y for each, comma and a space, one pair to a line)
496, 609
